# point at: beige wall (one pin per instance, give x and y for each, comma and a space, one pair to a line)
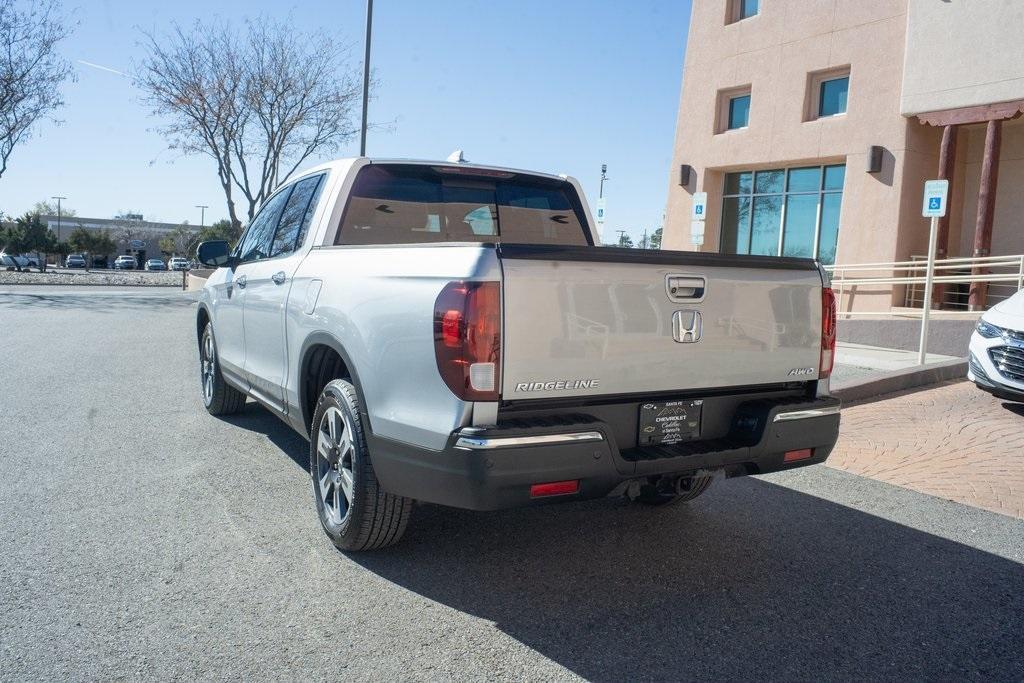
962, 53
774, 52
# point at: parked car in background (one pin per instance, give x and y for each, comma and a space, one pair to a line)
13, 261
997, 350
156, 264
125, 262
178, 263
459, 337
74, 261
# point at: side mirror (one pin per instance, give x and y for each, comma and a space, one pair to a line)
215, 254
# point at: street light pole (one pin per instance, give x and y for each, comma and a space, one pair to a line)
58, 215
202, 214
604, 177
366, 77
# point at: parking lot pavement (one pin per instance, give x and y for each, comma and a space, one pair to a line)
953, 441
142, 538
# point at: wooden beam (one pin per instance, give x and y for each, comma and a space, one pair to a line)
978, 114
947, 165
986, 210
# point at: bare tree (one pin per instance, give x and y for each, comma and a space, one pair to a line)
31, 71
259, 102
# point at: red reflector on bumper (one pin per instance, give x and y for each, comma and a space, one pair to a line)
801, 454
555, 488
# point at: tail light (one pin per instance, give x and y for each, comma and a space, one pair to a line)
467, 339
828, 333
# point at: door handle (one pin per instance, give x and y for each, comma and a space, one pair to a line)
240, 281
278, 277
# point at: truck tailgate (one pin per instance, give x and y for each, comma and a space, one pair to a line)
589, 321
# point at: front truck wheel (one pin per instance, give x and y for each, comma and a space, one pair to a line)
355, 512
664, 491
219, 397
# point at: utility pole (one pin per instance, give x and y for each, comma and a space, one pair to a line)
621, 233
604, 177
202, 214
58, 215
366, 77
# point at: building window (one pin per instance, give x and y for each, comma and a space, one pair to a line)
733, 109
832, 98
783, 212
740, 10
739, 112
827, 93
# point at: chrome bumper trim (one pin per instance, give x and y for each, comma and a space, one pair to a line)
805, 414
474, 443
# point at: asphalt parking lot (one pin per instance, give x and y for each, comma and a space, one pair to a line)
142, 538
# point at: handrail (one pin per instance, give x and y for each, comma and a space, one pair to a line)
848, 276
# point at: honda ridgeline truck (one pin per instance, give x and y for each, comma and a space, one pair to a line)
455, 334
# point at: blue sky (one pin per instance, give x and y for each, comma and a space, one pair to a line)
560, 86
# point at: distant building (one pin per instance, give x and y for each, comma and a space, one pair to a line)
813, 124
127, 231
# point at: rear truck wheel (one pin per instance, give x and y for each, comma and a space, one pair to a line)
219, 397
662, 490
355, 512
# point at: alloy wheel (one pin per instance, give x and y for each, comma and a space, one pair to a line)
334, 478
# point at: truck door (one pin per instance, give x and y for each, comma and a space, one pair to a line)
268, 283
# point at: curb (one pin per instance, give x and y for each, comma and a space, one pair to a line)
875, 387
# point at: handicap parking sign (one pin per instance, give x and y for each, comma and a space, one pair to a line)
935, 194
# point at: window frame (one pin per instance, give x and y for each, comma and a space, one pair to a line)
820, 192
317, 193
734, 11
815, 81
237, 252
724, 107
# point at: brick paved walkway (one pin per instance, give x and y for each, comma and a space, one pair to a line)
953, 441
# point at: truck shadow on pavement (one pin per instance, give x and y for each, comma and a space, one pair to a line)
756, 581
751, 581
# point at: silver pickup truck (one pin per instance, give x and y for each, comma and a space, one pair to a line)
452, 333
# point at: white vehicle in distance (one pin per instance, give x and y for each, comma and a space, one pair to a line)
178, 263
997, 350
125, 262
454, 334
155, 264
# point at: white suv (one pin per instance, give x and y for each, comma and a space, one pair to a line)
997, 350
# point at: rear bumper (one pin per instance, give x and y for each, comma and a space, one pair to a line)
494, 467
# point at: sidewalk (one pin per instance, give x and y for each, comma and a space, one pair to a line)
858, 362
953, 441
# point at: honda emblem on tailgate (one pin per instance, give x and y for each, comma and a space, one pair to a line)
686, 326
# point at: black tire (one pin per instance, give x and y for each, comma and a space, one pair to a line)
372, 518
653, 494
219, 397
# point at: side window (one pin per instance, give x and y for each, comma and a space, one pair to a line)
257, 241
297, 214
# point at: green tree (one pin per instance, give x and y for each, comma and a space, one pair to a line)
221, 230
180, 241
47, 208
12, 240
655, 241
625, 240
91, 243
37, 237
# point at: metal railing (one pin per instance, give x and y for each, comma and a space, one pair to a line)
1004, 274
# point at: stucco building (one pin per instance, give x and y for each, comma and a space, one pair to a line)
813, 124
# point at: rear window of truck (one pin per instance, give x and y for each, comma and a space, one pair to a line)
409, 204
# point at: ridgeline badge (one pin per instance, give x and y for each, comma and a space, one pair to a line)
559, 385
